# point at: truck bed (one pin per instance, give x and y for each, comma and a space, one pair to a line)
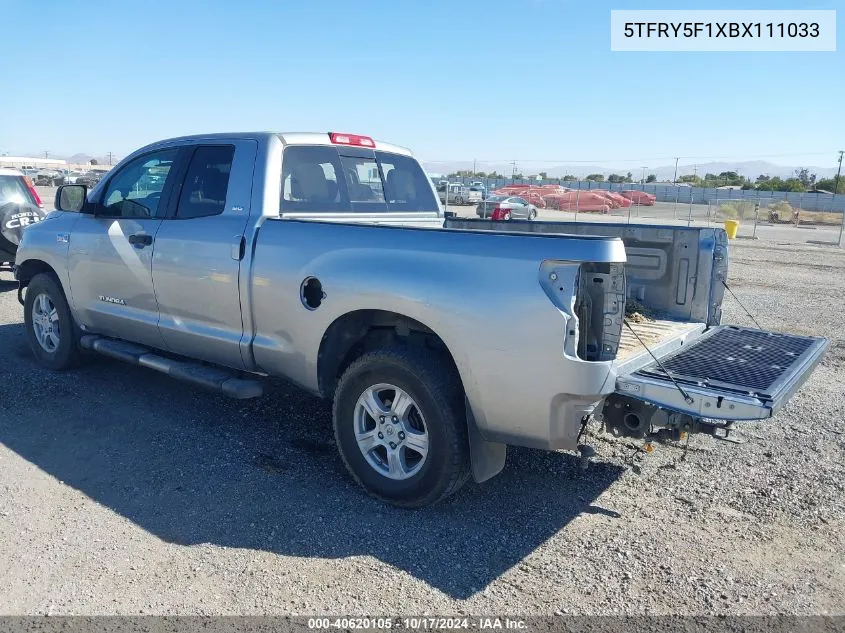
660, 335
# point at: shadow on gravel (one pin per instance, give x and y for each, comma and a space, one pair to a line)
193, 467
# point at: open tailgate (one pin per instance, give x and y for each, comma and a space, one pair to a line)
729, 373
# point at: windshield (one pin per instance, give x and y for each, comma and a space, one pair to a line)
14, 189
325, 179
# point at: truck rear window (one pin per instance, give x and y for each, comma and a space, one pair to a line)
327, 179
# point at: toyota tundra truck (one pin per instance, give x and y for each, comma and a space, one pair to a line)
325, 259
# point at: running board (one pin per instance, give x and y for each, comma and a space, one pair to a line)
728, 373
206, 376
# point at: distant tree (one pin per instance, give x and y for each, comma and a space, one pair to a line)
690, 178
481, 174
569, 178
93, 161
615, 178
805, 177
794, 184
629, 177
829, 183
596, 177
544, 175
651, 178
517, 176
761, 178
778, 184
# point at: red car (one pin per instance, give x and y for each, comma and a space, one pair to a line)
639, 197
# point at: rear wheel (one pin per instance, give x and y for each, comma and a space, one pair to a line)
400, 425
532, 215
50, 330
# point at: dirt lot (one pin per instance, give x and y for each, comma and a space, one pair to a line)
123, 492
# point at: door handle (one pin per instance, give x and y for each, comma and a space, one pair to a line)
140, 240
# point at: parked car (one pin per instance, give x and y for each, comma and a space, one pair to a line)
639, 197
458, 194
20, 206
49, 178
506, 208
265, 264
70, 177
89, 179
481, 190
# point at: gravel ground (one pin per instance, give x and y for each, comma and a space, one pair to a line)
124, 493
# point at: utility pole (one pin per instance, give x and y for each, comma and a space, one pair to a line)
643, 180
675, 178
46, 154
513, 171
110, 155
473, 168
835, 189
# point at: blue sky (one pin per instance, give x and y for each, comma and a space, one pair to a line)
531, 80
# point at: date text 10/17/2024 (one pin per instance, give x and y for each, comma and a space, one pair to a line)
418, 623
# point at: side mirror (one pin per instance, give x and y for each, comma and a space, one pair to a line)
70, 198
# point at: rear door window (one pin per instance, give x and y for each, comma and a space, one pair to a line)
206, 183
324, 179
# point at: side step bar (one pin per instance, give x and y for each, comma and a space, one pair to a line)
214, 378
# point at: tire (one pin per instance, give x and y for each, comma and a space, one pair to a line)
66, 353
532, 215
459, 201
433, 385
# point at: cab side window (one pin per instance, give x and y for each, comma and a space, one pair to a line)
135, 191
206, 182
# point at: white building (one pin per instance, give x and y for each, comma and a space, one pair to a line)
27, 161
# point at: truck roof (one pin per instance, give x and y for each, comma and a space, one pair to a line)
287, 138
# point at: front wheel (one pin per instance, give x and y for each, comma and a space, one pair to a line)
400, 425
532, 215
50, 330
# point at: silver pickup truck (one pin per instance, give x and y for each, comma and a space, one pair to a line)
326, 259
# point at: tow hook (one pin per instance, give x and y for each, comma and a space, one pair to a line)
586, 453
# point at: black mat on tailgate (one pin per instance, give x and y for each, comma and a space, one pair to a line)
736, 358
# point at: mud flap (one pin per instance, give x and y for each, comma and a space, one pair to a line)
487, 458
728, 373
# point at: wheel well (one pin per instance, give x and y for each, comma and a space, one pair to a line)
358, 332
32, 267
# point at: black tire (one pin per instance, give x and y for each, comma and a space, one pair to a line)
532, 215
66, 355
433, 383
